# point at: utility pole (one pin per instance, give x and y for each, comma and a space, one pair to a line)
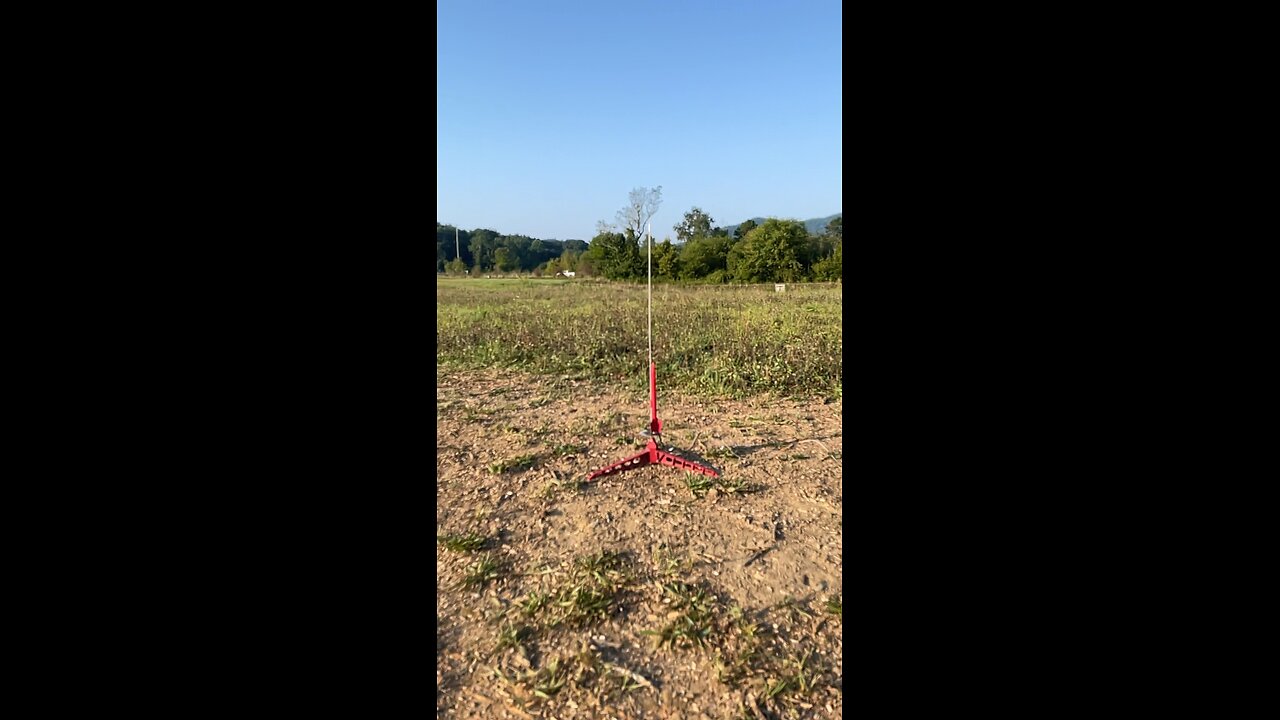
457, 252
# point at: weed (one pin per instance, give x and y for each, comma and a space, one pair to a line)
795, 677
694, 621
549, 680
552, 488
602, 566
698, 484
743, 652
834, 605
511, 636
470, 542
723, 453
541, 684
482, 572
582, 603
684, 630
666, 562
520, 462
588, 663
799, 680
534, 602
737, 485
588, 595
627, 684
793, 609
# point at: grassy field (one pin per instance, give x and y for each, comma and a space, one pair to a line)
718, 340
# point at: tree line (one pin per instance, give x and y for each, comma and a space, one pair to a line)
774, 251
484, 250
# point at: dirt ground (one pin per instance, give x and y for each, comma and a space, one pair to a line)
634, 595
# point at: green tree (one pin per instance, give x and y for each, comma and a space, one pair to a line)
541, 251
483, 243
615, 255
823, 246
631, 260
743, 229
518, 250
666, 260
569, 260
447, 244
830, 268
505, 260
773, 252
835, 229
816, 248
456, 267
703, 256
733, 261
695, 224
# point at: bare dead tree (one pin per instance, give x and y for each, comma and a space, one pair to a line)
641, 207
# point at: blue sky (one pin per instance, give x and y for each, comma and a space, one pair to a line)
550, 111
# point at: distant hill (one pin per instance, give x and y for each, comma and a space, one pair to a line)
814, 226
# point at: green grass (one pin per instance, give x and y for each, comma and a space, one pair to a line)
731, 340
835, 606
